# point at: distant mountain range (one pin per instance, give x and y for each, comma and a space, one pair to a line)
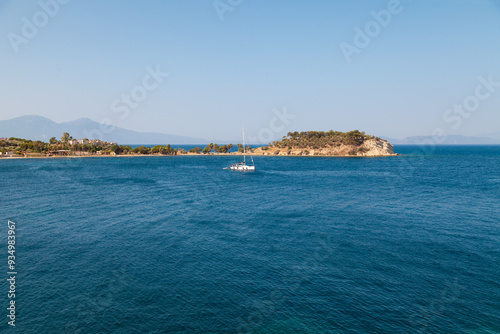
41, 128
493, 139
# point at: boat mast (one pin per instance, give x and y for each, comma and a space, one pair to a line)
244, 153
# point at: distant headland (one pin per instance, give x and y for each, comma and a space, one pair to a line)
309, 143
330, 143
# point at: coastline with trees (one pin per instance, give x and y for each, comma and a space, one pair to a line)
310, 143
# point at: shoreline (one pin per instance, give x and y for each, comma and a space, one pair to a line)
197, 155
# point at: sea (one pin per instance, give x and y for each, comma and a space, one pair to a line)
177, 244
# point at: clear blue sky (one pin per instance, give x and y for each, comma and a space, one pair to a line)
264, 55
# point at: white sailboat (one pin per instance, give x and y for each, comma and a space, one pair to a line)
242, 166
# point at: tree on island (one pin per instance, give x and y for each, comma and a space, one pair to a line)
141, 149
195, 150
222, 149
212, 148
53, 140
168, 150
66, 137
317, 139
125, 149
117, 149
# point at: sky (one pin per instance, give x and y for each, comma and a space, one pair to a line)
208, 68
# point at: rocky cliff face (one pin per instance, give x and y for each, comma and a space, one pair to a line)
370, 148
378, 147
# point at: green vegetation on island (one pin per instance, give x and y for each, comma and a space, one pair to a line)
214, 148
68, 146
328, 143
308, 143
321, 139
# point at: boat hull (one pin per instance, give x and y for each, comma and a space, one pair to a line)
243, 168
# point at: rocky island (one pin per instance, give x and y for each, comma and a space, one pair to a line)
330, 143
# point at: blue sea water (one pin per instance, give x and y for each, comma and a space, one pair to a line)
407, 244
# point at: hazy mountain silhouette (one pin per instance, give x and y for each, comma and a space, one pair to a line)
40, 128
449, 140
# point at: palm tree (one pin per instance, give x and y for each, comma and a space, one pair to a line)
65, 137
